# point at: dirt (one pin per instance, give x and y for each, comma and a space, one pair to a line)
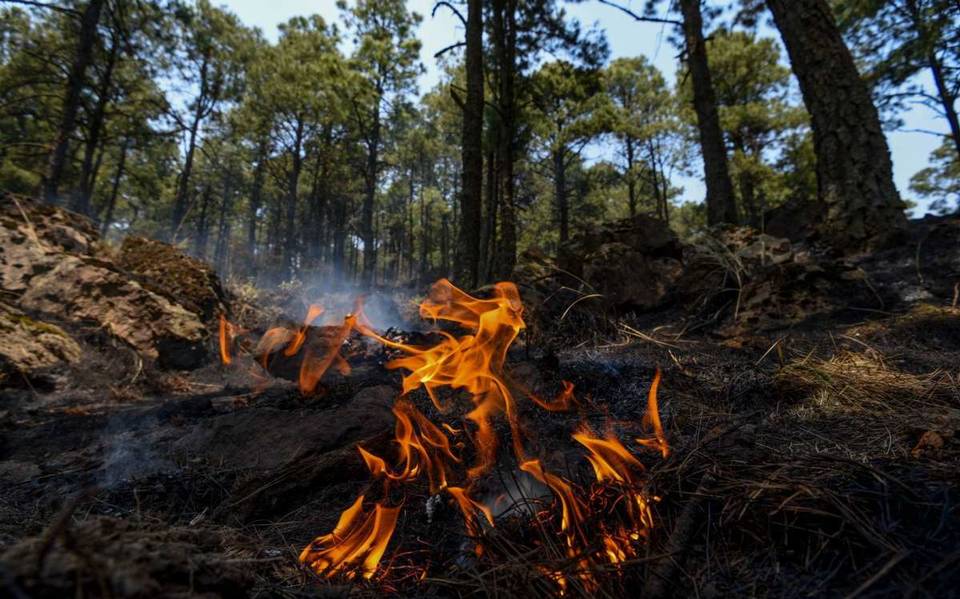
815, 451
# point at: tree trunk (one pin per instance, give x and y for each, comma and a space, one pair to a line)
445, 244
505, 34
721, 207
115, 190
71, 101
488, 225
221, 249
180, 201
293, 187
861, 206
369, 199
947, 99
560, 195
631, 180
256, 199
468, 269
200, 243
81, 201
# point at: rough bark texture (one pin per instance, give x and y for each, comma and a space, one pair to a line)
368, 234
71, 102
721, 207
468, 271
506, 47
861, 208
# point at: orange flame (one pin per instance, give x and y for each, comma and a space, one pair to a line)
423, 447
651, 420
313, 312
472, 362
613, 464
471, 510
359, 539
561, 403
226, 340
313, 367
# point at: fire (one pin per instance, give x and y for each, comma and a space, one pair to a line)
651, 420
473, 363
291, 342
602, 522
423, 448
616, 468
313, 366
313, 313
358, 540
226, 340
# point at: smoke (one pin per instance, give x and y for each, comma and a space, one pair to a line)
129, 453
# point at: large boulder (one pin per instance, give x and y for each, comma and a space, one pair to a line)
28, 346
167, 271
749, 281
632, 262
88, 289
52, 265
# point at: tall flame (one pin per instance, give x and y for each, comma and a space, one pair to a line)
473, 363
226, 340
651, 420
422, 447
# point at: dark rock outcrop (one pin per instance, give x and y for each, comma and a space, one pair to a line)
52, 265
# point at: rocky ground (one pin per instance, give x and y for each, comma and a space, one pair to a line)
811, 403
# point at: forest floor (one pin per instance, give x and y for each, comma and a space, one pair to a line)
820, 457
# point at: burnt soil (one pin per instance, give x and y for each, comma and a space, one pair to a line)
818, 458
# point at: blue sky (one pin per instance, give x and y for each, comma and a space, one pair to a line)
626, 38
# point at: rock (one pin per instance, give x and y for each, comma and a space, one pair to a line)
51, 264
87, 289
631, 262
763, 282
28, 346
167, 271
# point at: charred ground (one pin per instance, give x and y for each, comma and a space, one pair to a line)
811, 404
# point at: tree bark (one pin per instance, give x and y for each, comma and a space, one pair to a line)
71, 101
369, 200
81, 202
721, 207
468, 269
631, 180
293, 188
861, 207
256, 199
222, 247
560, 195
200, 247
115, 190
505, 34
947, 99
180, 202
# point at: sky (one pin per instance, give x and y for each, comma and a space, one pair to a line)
625, 36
